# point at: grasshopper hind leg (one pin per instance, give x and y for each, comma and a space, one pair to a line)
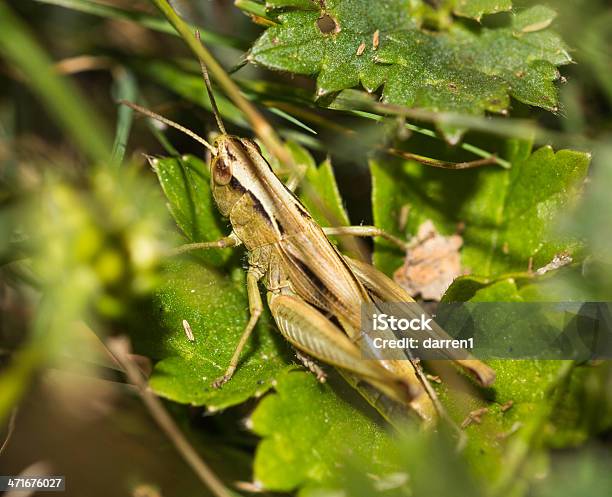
311, 365
311, 332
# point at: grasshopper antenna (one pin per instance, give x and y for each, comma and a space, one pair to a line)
213, 102
162, 119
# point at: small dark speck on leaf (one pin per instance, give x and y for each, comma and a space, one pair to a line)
327, 24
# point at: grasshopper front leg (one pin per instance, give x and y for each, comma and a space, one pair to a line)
255, 304
227, 241
255, 310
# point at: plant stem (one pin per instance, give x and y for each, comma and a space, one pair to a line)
443, 164
263, 129
120, 349
428, 132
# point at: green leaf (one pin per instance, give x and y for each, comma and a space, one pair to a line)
525, 383
185, 182
458, 70
470, 73
477, 8
554, 286
534, 19
310, 431
508, 214
309, 42
567, 421
216, 308
464, 288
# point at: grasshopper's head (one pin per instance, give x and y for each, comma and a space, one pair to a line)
237, 167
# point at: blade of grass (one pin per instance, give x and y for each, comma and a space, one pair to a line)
161, 138
125, 88
60, 95
291, 119
10, 429
16, 377
254, 8
147, 21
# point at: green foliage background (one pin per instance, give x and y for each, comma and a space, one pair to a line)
87, 220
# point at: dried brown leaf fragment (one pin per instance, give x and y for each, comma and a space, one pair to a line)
432, 263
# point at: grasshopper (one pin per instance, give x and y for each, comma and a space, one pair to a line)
314, 292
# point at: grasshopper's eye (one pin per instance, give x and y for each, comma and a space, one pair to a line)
222, 172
